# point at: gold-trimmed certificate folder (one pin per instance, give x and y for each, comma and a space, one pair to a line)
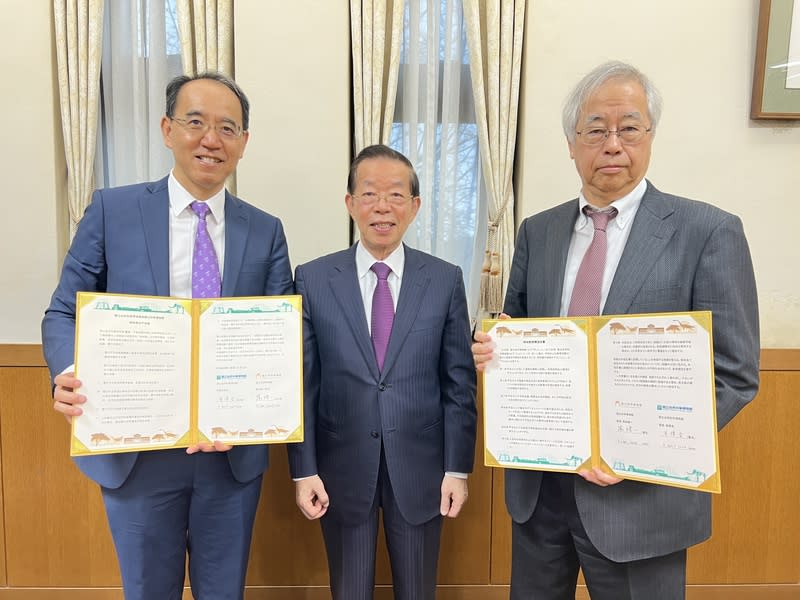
631, 394
163, 372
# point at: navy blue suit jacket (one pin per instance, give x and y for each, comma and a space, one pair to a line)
421, 408
122, 246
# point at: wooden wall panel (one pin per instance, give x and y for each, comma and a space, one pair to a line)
756, 523
3, 569
756, 519
54, 540
56, 532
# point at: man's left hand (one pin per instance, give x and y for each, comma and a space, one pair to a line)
454, 495
599, 477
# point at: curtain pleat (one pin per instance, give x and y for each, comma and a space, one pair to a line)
494, 35
79, 39
376, 30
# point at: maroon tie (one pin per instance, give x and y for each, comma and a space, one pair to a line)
382, 312
585, 299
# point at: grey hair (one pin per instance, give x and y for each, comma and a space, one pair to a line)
174, 86
381, 151
597, 77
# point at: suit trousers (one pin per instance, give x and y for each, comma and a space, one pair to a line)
172, 504
413, 550
548, 550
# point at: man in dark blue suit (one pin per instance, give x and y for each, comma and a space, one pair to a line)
389, 421
139, 239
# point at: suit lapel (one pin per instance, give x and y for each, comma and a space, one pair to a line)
651, 231
237, 224
154, 208
559, 236
347, 292
412, 290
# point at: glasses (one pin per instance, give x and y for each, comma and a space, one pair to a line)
395, 199
198, 127
632, 134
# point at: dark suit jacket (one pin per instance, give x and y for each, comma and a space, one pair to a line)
122, 246
421, 408
681, 255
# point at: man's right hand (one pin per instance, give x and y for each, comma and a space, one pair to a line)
482, 348
311, 497
67, 400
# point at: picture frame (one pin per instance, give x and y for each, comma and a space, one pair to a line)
772, 98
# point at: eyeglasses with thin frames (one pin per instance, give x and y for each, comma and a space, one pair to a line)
631, 134
394, 199
199, 127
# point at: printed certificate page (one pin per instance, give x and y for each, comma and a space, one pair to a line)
536, 395
167, 372
251, 370
133, 356
656, 401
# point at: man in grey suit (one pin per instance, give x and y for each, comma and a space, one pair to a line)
664, 253
140, 239
389, 417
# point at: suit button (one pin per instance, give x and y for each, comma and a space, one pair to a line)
374, 434
382, 387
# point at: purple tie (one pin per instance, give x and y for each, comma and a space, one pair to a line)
205, 267
589, 280
382, 312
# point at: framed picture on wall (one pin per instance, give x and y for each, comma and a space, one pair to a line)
776, 81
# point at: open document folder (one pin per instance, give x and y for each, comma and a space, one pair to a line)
169, 372
631, 394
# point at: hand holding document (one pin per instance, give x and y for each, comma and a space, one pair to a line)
630, 394
171, 373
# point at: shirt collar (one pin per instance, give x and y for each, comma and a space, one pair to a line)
180, 199
626, 207
364, 260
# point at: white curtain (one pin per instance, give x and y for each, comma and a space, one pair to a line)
376, 30
435, 127
206, 30
495, 34
78, 38
141, 53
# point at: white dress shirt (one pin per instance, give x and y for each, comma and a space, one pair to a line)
182, 230
617, 232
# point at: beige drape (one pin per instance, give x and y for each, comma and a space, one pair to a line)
377, 31
206, 31
79, 39
494, 34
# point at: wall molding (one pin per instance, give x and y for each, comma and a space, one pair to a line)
780, 359
30, 355
21, 355
447, 592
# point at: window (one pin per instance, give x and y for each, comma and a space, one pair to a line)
434, 125
141, 53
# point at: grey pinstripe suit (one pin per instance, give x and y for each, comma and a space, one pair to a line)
681, 255
419, 411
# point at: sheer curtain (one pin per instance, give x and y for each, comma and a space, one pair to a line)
141, 54
434, 125
78, 39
